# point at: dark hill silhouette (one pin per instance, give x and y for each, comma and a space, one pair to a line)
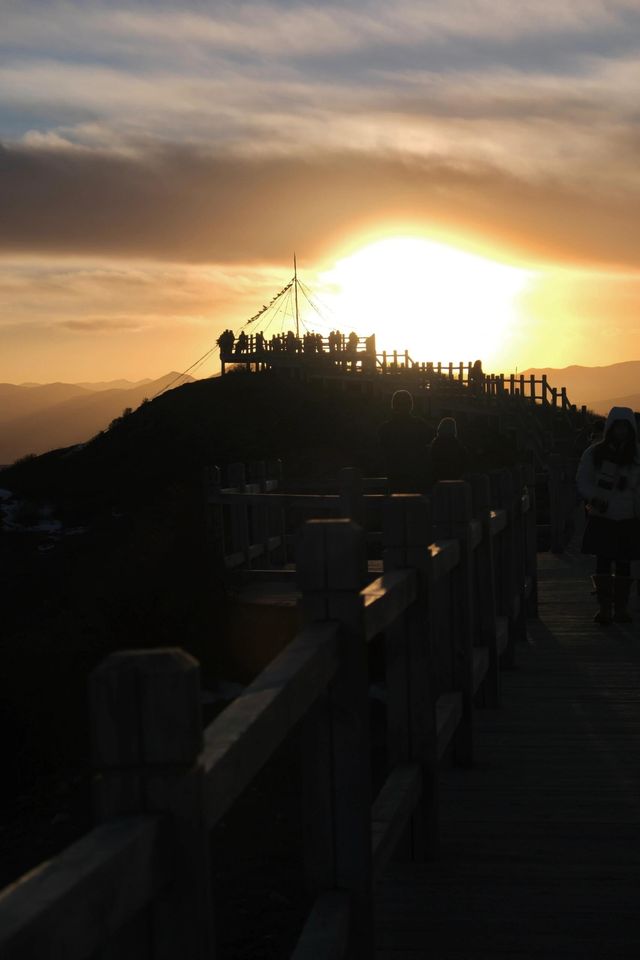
215, 421
238, 417
35, 419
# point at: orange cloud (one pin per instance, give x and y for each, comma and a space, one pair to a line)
191, 206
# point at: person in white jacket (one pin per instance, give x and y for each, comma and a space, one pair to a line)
608, 480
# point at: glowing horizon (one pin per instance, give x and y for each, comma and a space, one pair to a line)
440, 303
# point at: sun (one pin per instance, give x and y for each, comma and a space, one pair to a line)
437, 302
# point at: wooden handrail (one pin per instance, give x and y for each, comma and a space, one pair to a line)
444, 556
69, 906
326, 932
153, 757
498, 521
238, 742
386, 599
392, 810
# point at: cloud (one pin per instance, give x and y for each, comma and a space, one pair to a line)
105, 325
567, 125
105, 296
186, 205
298, 124
295, 29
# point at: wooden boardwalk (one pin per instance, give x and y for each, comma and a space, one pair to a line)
540, 853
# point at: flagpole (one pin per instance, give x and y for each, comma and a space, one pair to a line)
295, 285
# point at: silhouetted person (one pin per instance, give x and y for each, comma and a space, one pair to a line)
403, 440
225, 341
608, 480
448, 459
476, 377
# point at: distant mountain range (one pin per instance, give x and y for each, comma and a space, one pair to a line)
598, 388
38, 417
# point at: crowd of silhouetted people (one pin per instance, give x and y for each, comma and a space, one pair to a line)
413, 458
309, 343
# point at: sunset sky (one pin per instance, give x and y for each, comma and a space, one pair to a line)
160, 163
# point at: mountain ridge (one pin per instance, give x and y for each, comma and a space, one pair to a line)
594, 387
36, 419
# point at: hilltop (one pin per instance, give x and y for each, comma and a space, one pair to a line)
215, 421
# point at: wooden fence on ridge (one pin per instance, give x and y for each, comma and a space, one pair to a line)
313, 356
251, 518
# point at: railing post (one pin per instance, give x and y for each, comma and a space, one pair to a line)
531, 541
518, 540
545, 387
276, 524
274, 473
486, 591
351, 496
239, 513
556, 512
146, 738
214, 527
331, 571
412, 733
502, 497
258, 472
259, 513
451, 518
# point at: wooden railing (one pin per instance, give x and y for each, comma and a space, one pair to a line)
249, 521
249, 529
459, 577
433, 375
361, 359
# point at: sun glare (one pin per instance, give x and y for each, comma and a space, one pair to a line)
437, 302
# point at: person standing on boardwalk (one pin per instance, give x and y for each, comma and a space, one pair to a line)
476, 378
403, 441
608, 480
448, 459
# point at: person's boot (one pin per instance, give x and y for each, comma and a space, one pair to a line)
603, 586
621, 591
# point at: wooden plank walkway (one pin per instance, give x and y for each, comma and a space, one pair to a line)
540, 848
